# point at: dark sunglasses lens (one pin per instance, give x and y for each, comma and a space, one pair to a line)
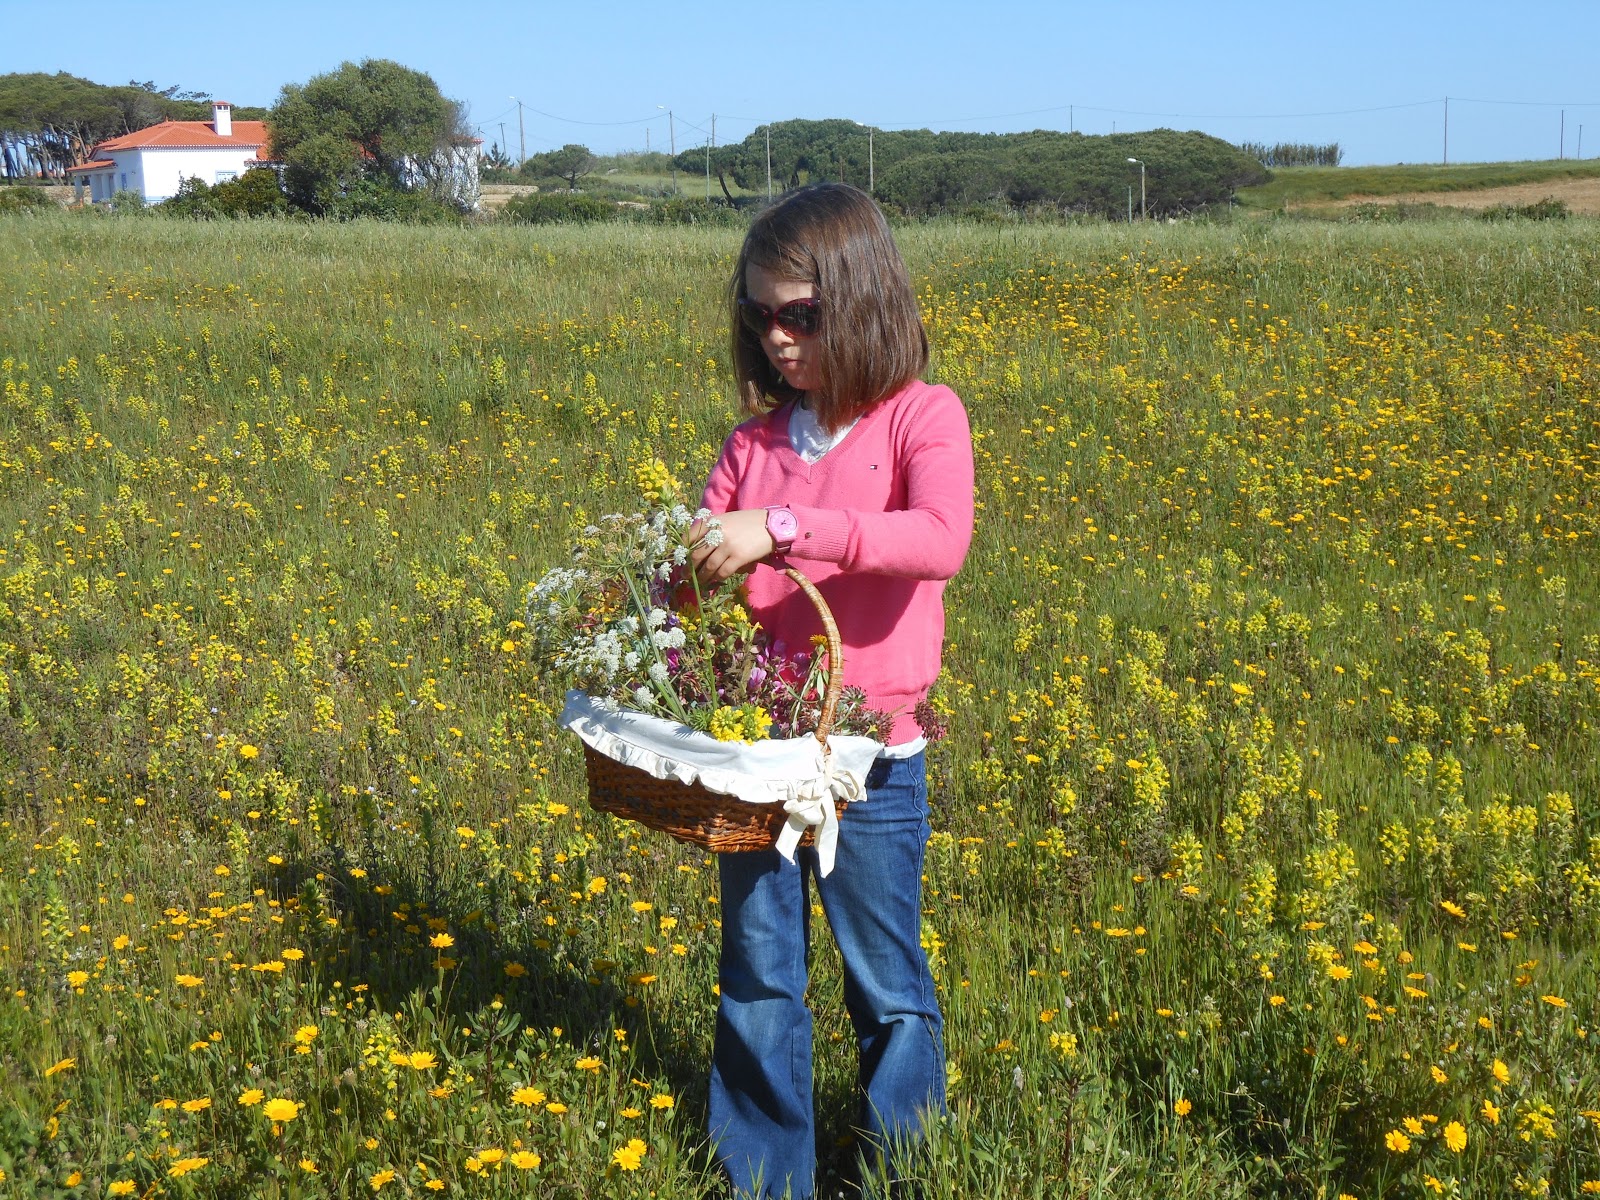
754, 317
802, 318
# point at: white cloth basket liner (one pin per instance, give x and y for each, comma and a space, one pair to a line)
793, 772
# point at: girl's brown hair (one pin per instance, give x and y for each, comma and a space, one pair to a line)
871, 342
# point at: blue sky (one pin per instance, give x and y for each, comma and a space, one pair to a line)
1371, 76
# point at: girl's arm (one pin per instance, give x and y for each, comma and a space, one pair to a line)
744, 537
927, 539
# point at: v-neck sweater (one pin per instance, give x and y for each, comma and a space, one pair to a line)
883, 520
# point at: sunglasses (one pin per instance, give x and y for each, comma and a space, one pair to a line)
798, 318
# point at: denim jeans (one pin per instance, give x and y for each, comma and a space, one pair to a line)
761, 1109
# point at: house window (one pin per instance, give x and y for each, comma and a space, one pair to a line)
124, 181
227, 176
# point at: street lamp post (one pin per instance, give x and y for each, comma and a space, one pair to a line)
672, 147
871, 177
1143, 215
522, 138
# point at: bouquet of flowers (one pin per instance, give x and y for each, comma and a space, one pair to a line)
699, 711
629, 624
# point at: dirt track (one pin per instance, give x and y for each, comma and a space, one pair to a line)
496, 194
1582, 196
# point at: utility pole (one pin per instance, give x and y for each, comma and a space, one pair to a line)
503, 138
1072, 119
769, 164
1562, 152
1130, 204
1447, 131
522, 137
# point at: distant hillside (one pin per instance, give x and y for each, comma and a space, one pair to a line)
922, 173
1307, 187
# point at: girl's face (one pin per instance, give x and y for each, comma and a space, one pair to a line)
793, 358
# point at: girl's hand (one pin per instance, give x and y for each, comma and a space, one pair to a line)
745, 541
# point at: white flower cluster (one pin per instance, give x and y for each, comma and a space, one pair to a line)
624, 654
545, 597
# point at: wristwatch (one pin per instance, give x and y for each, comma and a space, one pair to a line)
782, 526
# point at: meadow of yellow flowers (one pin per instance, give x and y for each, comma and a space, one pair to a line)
1267, 845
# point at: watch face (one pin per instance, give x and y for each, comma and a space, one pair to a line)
781, 524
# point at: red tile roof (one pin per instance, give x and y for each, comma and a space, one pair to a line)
98, 165
189, 135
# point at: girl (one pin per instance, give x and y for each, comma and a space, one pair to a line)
860, 474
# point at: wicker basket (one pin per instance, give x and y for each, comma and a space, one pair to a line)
690, 812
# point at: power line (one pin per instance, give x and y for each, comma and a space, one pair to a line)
757, 122
574, 121
498, 115
1133, 112
1533, 103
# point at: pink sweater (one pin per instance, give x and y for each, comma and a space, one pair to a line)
885, 518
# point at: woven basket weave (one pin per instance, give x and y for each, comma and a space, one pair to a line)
692, 813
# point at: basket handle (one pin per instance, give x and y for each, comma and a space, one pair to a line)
830, 628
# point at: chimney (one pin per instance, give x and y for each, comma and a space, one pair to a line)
222, 118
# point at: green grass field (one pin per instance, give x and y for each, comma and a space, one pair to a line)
1299, 186
1266, 856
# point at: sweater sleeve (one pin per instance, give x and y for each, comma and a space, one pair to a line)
927, 539
724, 478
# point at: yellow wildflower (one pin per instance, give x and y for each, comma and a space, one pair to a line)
281, 1110
629, 1157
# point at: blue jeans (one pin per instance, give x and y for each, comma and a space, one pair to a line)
761, 1114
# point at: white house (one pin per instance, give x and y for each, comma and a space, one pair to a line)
155, 160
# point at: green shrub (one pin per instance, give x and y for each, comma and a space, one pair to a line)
255, 194
1548, 209
1394, 214
24, 199
550, 208
684, 210
193, 199
374, 196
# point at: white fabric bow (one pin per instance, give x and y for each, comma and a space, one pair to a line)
813, 808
